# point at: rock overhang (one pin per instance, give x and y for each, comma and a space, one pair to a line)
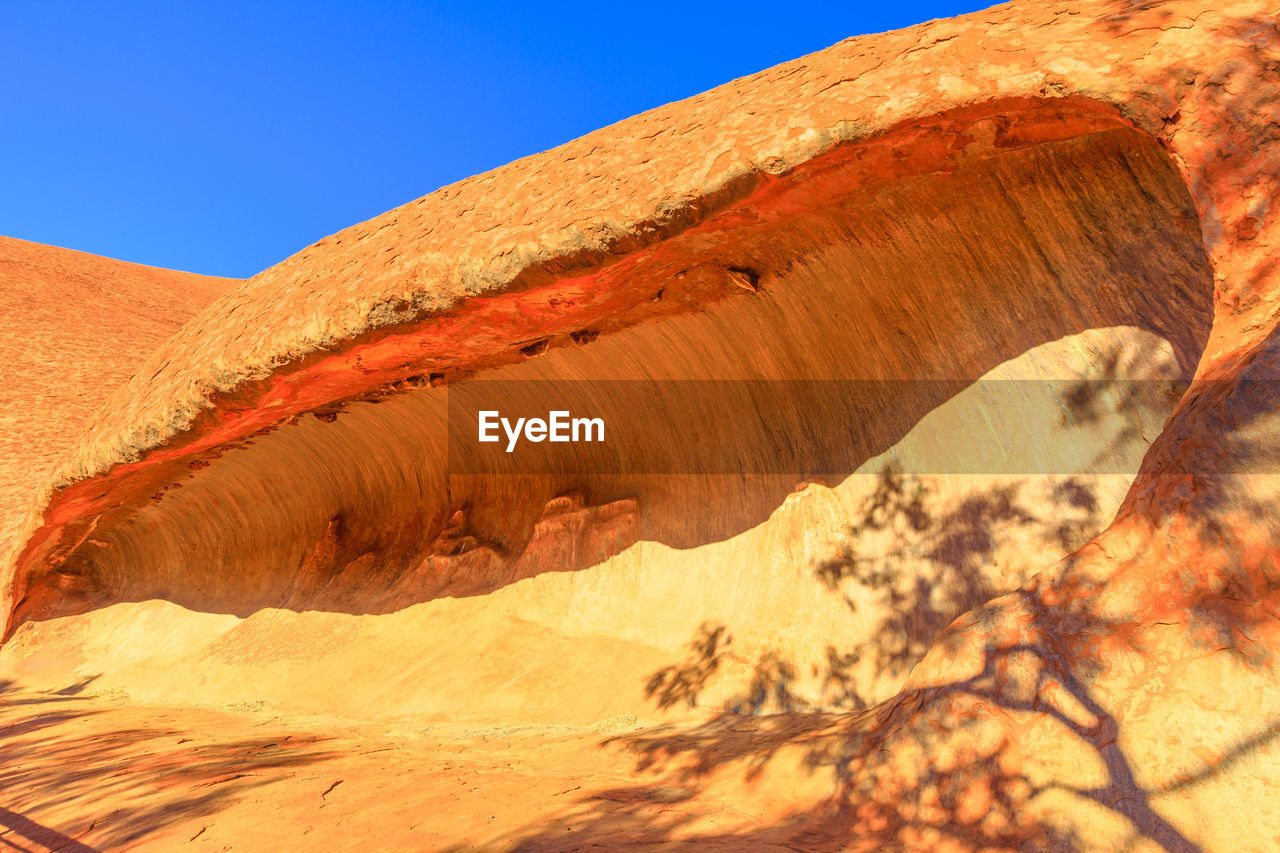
666, 203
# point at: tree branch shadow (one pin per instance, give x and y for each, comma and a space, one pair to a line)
125, 783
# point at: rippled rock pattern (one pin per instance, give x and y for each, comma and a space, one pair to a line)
951, 525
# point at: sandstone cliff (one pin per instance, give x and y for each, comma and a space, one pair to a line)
923, 618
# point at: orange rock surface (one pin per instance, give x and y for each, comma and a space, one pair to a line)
73, 327
846, 591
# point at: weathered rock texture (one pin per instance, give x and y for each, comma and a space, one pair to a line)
268, 515
73, 328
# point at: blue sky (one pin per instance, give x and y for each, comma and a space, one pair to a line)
222, 137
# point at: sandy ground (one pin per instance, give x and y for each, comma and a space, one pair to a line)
83, 772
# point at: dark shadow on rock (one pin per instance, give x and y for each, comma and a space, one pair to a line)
35, 833
128, 782
889, 790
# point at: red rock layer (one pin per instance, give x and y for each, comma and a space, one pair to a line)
1103, 236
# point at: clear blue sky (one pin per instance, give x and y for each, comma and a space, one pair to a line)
222, 137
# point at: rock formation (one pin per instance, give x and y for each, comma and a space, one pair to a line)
935, 511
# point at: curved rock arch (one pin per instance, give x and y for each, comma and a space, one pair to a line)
1035, 220
1186, 571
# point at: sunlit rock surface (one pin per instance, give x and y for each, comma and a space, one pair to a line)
936, 510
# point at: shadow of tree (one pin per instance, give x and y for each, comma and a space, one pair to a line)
944, 766
127, 783
913, 585
936, 567
683, 682
931, 768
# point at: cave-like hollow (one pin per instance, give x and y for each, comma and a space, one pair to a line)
941, 272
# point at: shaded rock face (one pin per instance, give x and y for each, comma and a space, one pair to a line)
874, 601
815, 370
